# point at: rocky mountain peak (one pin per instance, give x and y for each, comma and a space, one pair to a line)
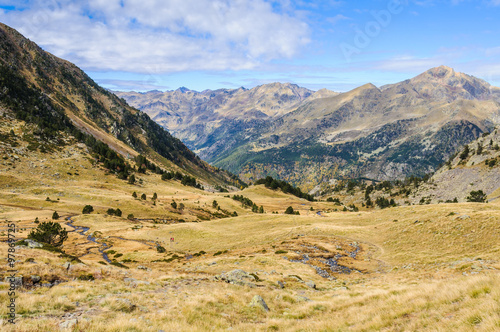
445, 83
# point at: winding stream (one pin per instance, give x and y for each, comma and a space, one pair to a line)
82, 230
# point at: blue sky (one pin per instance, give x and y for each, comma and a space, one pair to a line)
208, 44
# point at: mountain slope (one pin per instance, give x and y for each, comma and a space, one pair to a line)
209, 121
401, 129
57, 96
475, 167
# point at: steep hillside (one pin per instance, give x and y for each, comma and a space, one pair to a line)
214, 122
408, 128
476, 167
54, 94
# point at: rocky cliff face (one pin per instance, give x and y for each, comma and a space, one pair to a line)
477, 169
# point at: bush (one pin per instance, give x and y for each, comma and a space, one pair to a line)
87, 209
161, 249
130, 217
134, 194
289, 210
477, 196
131, 179
55, 215
113, 212
143, 197
49, 232
86, 277
465, 153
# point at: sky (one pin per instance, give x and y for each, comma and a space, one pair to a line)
146, 45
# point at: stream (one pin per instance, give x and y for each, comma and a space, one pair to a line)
82, 230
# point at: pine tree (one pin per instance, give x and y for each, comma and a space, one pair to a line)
49, 232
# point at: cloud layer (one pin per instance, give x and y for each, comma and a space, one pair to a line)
154, 37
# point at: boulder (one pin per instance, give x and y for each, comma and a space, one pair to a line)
311, 284
258, 301
33, 244
16, 281
237, 277
35, 279
301, 298
68, 325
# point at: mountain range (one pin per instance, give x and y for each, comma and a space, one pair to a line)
312, 138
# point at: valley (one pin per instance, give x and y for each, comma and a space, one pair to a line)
427, 265
110, 223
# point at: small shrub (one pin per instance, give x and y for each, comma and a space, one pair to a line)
477, 196
88, 209
86, 277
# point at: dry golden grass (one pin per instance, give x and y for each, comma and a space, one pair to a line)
432, 267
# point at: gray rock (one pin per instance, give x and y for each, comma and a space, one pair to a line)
140, 267
311, 284
16, 281
280, 285
463, 217
35, 279
258, 301
127, 280
295, 278
69, 324
301, 298
237, 277
33, 244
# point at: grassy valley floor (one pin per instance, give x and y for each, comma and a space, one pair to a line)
426, 267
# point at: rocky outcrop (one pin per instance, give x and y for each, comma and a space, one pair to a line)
238, 277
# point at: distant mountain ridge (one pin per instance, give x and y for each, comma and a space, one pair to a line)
309, 138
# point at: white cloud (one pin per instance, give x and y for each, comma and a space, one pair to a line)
337, 18
410, 64
161, 36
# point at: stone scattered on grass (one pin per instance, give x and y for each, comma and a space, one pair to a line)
258, 301
311, 284
238, 277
